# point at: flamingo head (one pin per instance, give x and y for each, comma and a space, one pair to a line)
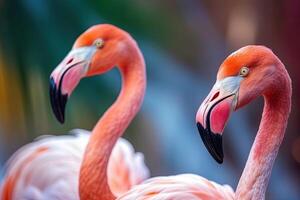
96, 51
243, 76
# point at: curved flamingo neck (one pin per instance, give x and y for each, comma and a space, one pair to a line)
93, 184
256, 174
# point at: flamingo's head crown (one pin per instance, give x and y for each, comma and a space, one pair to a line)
95, 51
110, 47
247, 73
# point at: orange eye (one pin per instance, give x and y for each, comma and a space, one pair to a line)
244, 71
99, 43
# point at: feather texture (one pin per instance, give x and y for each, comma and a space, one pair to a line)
184, 186
48, 168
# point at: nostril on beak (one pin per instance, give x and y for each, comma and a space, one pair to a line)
69, 61
215, 96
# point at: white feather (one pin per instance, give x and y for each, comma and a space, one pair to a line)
48, 168
179, 187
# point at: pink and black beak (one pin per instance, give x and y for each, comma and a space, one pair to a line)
214, 113
66, 77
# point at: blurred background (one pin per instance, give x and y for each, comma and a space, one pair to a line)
184, 43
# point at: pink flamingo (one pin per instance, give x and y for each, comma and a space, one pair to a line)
248, 73
245, 75
49, 168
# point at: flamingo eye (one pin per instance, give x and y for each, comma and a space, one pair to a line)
244, 71
99, 43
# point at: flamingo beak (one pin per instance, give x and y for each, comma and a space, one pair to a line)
214, 113
66, 77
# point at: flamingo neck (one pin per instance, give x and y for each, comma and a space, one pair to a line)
255, 177
93, 182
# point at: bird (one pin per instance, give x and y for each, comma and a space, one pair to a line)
246, 74
83, 164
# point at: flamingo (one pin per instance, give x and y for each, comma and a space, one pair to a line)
77, 165
246, 74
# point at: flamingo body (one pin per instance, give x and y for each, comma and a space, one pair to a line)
48, 168
179, 187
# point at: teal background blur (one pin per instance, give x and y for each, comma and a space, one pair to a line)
184, 43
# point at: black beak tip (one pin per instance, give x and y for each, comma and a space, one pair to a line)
61, 119
212, 142
219, 160
58, 101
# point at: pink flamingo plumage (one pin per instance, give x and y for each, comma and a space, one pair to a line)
236, 86
49, 168
246, 74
